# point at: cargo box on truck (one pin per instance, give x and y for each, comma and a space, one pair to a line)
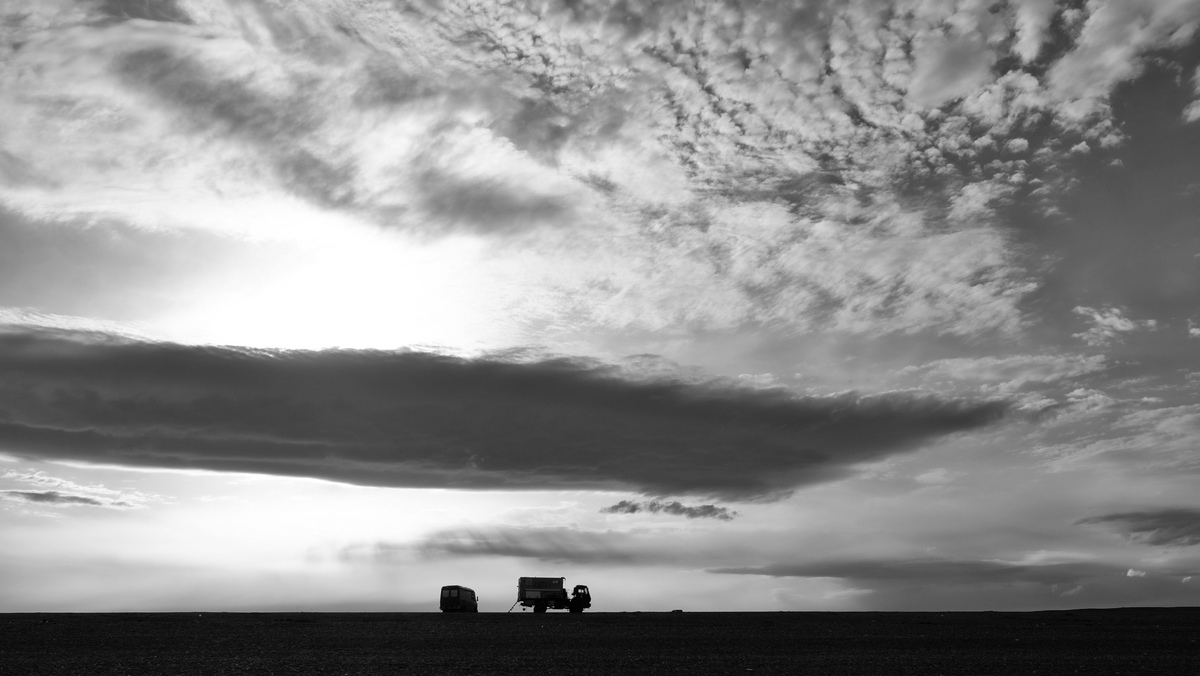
544, 593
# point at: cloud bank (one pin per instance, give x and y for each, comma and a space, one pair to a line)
420, 419
1160, 528
974, 584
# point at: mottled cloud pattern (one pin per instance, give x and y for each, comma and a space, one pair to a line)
830, 165
421, 419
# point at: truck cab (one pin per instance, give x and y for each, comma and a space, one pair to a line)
580, 598
459, 599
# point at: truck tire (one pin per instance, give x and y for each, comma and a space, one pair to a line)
539, 608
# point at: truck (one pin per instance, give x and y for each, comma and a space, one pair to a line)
543, 593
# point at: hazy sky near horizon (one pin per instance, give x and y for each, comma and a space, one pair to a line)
729, 305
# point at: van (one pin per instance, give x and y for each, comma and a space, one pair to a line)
458, 599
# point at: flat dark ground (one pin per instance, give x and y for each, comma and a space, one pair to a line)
1161, 641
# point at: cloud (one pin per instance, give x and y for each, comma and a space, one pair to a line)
159, 10
487, 204
50, 497
554, 544
829, 166
948, 69
57, 491
1142, 434
1108, 324
948, 571
1178, 527
1192, 112
675, 508
565, 544
938, 476
974, 584
1108, 46
1011, 373
419, 419
1033, 19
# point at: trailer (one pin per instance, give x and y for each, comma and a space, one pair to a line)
544, 593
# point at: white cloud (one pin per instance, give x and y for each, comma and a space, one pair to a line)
1107, 50
1108, 324
1192, 112
650, 140
938, 476
1141, 435
1135, 573
1012, 372
947, 69
1033, 18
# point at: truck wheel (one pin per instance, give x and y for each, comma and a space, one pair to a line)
539, 608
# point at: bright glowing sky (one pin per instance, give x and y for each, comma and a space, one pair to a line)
729, 305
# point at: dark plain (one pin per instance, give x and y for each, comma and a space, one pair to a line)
1157, 641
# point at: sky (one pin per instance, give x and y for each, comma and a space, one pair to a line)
730, 305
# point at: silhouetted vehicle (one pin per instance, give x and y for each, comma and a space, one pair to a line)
543, 593
456, 599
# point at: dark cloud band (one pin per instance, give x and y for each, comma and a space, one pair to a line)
51, 498
424, 420
1164, 528
675, 508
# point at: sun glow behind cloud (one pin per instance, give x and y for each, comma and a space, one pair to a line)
365, 290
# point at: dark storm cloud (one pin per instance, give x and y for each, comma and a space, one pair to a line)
1164, 527
418, 419
675, 508
51, 497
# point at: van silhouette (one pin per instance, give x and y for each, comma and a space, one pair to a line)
459, 599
